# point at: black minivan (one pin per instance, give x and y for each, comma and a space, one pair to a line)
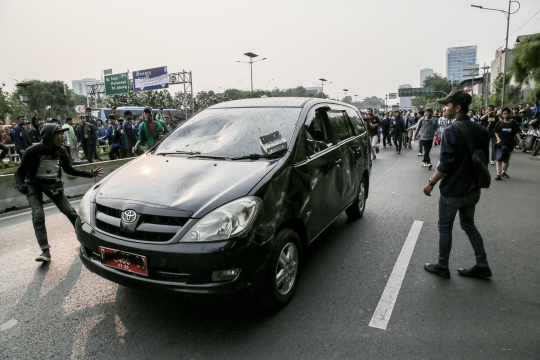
229, 201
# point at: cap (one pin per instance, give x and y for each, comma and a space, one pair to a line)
27, 122
456, 96
429, 109
147, 108
121, 119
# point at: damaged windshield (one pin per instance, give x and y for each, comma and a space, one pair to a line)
232, 132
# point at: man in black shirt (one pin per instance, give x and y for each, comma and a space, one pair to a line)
40, 173
459, 188
505, 131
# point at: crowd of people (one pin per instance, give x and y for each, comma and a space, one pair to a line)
401, 128
123, 136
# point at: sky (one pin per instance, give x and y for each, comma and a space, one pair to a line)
367, 47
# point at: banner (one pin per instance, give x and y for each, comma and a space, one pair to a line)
151, 79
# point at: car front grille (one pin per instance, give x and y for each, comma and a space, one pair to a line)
162, 228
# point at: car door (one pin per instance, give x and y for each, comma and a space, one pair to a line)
344, 139
318, 171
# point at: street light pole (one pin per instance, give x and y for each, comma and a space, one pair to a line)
322, 84
267, 84
250, 62
507, 14
345, 93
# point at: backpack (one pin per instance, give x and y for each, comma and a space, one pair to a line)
481, 170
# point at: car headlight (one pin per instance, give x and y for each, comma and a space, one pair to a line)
85, 205
230, 220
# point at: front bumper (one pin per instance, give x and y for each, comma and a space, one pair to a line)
181, 267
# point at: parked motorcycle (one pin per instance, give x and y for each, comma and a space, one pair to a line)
532, 138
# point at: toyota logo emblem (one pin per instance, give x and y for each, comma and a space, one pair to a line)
129, 216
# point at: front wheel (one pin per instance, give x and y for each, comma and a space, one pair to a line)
283, 270
536, 148
356, 209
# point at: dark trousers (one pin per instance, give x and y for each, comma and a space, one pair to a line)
493, 142
4, 152
89, 151
127, 153
398, 141
35, 200
448, 208
114, 153
427, 145
386, 138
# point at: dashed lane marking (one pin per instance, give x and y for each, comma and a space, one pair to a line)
382, 313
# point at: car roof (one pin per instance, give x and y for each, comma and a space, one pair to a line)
264, 102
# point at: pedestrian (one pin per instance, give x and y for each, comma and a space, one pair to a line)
128, 134
459, 189
31, 133
72, 140
408, 134
113, 137
140, 120
91, 119
505, 131
40, 173
443, 123
160, 115
398, 128
87, 139
19, 136
489, 121
385, 125
150, 131
425, 129
372, 124
3, 153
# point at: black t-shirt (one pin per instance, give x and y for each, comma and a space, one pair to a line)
507, 131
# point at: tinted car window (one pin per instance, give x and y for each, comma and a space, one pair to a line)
339, 125
357, 122
231, 132
316, 130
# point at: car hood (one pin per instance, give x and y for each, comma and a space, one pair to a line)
181, 184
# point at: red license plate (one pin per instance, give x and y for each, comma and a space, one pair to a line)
123, 260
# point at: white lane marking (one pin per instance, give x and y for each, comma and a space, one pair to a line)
9, 324
29, 212
382, 313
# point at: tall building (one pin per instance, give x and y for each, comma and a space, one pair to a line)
424, 73
79, 86
405, 102
456, 57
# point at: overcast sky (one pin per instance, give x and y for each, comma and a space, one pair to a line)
368, 47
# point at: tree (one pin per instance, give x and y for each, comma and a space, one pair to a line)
10, 105
369, 102
512, 95
56, 94
526, 63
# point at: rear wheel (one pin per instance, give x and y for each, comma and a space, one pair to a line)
283, 270
536, 148
356, 209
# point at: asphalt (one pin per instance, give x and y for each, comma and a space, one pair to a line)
62, 311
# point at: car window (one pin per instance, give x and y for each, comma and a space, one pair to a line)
339, 125
231, 132
316, 130
357, 123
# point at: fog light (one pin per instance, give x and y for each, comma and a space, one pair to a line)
225, 275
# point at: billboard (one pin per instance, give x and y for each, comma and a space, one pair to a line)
151, 79
116, 84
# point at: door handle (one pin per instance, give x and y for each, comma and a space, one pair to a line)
339, 162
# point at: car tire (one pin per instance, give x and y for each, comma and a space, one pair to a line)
356, 210
283, 270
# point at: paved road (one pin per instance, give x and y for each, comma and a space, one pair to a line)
60, 310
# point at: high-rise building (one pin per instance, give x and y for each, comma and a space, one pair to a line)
405, 102
424, 73
456, 57
79, 86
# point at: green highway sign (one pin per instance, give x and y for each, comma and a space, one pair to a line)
425, 91
116, 84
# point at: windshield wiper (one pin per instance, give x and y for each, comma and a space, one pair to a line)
257, 156
179, 152
209, 156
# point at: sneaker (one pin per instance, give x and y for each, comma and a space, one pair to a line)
410, 147
385, 146
419, 154
430, 166
377, 149
374, 158
45, 256
424, 164
399, 152
492, 162
505, 175
498, 177
482, 272
437, 270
